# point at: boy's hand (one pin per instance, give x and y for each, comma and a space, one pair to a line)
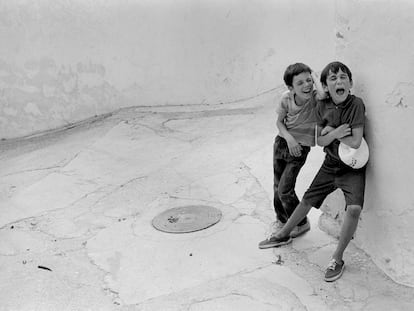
326, 130
342, 131
294, 148
320, 92
315, 77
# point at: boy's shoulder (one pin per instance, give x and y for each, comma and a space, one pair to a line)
286, 95
354, 103
286, 99
357, 100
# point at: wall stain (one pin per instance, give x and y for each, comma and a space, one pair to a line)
41, 95
402, 96
339, 35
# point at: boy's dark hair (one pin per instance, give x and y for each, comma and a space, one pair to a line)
334, 67
294, 70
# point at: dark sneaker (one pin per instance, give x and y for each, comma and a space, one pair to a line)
274, 242
334, 270
299, 230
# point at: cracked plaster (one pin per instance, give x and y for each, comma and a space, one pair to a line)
99, 243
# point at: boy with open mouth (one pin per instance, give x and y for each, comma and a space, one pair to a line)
340, 119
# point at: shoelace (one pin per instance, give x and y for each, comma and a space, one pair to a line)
272, 235
274, 226
332, 265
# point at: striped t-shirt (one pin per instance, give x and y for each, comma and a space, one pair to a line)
300, 121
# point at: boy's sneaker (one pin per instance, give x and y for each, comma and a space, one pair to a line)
276, 225
299, 230
334, 270
274, 242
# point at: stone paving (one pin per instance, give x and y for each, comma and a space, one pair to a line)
77, 205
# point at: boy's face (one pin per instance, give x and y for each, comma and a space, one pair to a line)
338, 85
302, 86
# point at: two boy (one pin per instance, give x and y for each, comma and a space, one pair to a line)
340, 118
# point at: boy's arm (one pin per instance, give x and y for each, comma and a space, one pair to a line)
320, 92
294, 148
357, 122
326, 130
339, 133
353, 140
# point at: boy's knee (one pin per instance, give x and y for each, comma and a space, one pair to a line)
354, 210
285, 196
285, 193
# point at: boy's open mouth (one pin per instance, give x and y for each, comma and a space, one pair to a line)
340, 91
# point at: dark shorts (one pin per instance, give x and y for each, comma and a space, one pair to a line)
333, 175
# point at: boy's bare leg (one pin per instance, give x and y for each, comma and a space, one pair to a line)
299, 213
347, 231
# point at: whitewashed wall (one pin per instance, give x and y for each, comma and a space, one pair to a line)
64, 61
376, 40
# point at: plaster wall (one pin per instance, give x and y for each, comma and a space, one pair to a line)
375, 39
65, 61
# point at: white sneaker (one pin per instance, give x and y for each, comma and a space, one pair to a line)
274, 227
277, 225
299, 230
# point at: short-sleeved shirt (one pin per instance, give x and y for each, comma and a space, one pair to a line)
351, 111
300, 121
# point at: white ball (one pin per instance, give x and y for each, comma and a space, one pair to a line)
355, 158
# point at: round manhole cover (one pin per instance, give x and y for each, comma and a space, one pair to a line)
187, 219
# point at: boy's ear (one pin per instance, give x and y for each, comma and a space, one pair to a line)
290, 88
325, 88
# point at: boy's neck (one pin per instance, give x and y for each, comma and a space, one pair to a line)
346, 99
299, 101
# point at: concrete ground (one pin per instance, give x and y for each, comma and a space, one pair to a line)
76, 210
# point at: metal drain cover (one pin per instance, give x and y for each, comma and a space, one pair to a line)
187, 219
